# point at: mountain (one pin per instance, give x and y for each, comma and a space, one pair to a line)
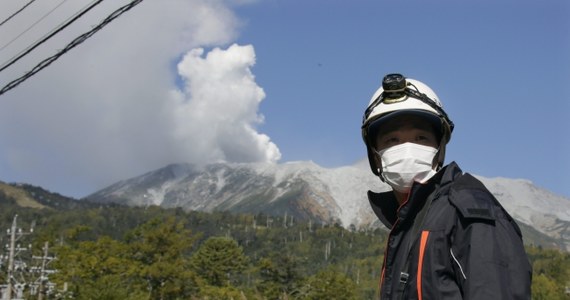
308, 191
30, 196
301, 189
20, 196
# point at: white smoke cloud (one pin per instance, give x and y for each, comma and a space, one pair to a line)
111, 108
216, 118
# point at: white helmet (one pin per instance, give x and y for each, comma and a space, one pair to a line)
400, 95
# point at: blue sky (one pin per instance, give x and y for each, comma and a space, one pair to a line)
501, 69
202, 81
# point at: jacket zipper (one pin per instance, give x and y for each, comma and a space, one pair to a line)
388, 244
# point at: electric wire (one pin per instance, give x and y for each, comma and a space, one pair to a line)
33, 25
17, 12
50, 35
80, 39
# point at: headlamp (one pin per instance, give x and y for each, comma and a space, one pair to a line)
394, 83
397, 89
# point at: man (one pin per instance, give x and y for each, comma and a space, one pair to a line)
450, 238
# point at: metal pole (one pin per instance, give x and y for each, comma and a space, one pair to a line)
11, 258
44, 261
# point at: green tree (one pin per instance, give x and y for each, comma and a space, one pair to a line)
110, 287
160, 248
544, 288
88, 266
329, 284
551, 272
218, 260
279, 274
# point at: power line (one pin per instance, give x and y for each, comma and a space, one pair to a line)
80, 39
33, 25
14, 14
37, 41
50, 36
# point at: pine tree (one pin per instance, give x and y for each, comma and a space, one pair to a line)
218, 260
160, 251
329, 284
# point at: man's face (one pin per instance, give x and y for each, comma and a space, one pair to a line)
405, 129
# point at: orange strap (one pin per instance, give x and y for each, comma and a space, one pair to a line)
423, 242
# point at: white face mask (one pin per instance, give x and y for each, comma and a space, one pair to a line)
405, 163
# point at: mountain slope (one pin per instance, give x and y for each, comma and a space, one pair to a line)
19, 195
29, 196
234, 187
306, 190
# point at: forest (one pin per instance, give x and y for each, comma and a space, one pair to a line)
118, 252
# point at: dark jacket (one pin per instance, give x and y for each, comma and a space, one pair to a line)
465, 247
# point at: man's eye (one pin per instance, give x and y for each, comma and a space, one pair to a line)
391, 140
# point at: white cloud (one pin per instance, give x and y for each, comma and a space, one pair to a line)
110, 108
217, 117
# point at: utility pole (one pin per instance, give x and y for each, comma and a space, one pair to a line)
15, 234
16, 267
10, 273
43, 278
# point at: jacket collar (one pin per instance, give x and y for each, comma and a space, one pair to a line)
386, 207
